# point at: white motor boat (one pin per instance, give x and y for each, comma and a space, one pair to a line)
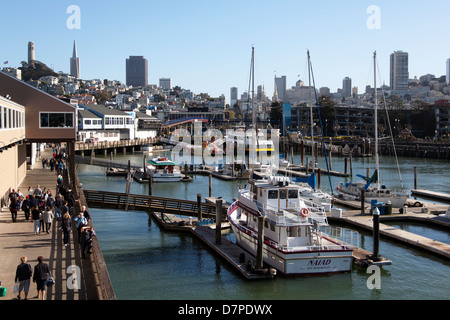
162, 169
293, 241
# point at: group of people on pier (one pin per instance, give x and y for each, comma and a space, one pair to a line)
43, 208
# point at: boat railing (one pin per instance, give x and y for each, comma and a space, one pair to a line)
344, 236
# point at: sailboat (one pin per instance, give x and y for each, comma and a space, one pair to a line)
309, 190
272, 222
371, 186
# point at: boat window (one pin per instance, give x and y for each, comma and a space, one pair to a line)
293, 194
283, 194
273, 194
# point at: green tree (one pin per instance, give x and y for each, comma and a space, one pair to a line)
327, 113
276, 114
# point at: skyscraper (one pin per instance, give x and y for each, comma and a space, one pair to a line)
31, 53
136, 71
165, 83
233, 96
75, 63
399, 72
347, 87
280, 84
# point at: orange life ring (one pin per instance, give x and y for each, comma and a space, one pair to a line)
304, 212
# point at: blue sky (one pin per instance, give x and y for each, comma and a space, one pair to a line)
205, 45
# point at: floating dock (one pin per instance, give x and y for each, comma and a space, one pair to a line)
431, 194
237, 257
414, 214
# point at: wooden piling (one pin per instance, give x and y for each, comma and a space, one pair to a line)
199, 207
259, 253
303, 153
210, 184
415, 178
363, 200
218, 221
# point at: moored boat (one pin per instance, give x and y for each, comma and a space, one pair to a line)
161, 169
293, 241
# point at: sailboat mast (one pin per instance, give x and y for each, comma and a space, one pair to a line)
311, 114
377, 165
252, 154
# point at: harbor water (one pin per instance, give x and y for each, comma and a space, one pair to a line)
147, 263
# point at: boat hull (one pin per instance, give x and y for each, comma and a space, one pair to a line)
396, 201
166, 177
294, 262
297, 263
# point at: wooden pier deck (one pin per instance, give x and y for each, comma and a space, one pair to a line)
431, 194
414, 214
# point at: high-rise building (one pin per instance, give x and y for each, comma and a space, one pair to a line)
233, 96
399, 72
448, 71
31, 53
280, 84
137, 71
75, 63
165, 83
347, 87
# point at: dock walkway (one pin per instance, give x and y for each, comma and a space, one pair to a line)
18, 239
408, 238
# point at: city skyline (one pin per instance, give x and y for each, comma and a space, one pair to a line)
205, 46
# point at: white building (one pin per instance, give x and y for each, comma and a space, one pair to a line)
14, 72
399, 75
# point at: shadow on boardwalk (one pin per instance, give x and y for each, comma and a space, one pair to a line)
18, 239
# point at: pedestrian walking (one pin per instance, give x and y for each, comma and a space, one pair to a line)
40, 276
23, 276
14, 207
66, 227
36, 216
38, 193
59, 203
48, 218
81, 222
86, 240
26, 207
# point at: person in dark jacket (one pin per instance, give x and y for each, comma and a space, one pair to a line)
36, 216
26, 207
23, 275
40, 275
86, 240
66, 227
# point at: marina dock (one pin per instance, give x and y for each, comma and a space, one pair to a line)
413, 214
431, 194
227, 250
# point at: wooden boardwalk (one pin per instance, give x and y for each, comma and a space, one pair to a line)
117, 200
18, 239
